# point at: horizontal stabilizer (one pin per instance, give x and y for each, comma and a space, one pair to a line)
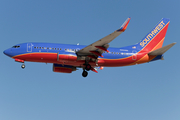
162, 50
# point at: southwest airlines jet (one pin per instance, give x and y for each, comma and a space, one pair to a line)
67, 58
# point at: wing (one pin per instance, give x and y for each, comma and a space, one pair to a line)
97, 48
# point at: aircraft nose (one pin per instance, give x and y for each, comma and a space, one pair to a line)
7, 52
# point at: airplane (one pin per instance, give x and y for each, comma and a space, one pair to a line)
67, 58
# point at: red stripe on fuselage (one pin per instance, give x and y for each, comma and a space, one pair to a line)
72, 60
69, 60
52, 58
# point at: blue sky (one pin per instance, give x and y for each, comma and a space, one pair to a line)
143, 92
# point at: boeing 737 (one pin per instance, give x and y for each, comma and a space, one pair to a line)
67, 58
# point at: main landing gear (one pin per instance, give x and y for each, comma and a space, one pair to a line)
87, 68
22, 66
85, 73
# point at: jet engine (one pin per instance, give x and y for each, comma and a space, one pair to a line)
63, 68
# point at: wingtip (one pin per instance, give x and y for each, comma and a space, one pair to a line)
124, 25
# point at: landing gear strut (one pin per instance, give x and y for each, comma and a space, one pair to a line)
22, 66
88, 67
85, 73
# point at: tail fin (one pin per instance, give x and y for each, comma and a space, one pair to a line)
155, 38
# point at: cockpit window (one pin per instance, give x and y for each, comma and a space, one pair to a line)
16, 46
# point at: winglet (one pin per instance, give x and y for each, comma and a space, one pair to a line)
124, 25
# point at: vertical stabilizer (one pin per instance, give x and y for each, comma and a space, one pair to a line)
155, 38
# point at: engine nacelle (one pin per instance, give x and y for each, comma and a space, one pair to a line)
63, 68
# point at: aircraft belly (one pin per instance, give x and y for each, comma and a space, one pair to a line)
116, 62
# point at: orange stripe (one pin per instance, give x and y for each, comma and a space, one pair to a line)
159, 45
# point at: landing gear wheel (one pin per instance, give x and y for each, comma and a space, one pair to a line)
85, 73
88, 67
22, 66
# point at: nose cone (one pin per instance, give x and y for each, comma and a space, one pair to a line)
8, 52
5, 52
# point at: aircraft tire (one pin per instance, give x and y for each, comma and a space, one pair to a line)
22, 66
85, 73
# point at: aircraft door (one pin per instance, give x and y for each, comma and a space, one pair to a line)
29, 47
134, 57
62, 58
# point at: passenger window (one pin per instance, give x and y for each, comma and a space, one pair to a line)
52, 48
35, 47
39, 47
44, 47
